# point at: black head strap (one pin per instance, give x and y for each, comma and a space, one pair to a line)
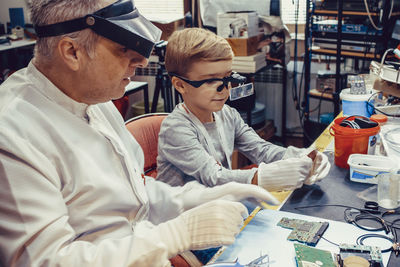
119, 8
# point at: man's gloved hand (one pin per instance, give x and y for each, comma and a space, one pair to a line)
320, 167
212, 224
231, 191
287, 174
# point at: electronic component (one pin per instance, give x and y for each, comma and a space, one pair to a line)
332, 26
304, 231
308, 256
349, 45
349, 255
355, 5
370, 253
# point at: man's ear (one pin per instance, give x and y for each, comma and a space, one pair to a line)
70, 53
178, 85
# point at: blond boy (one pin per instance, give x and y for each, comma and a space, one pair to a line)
197, 139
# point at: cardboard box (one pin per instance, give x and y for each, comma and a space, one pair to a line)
326, 81
237, 24
244, 46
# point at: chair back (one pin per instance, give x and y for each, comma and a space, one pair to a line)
145, 129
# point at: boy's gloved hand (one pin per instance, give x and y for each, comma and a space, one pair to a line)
212, 224
320, 167
287, 174
231, 191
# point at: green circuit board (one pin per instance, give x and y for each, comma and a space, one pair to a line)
304, 231
308, 256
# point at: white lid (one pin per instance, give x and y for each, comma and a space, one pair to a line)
345, 95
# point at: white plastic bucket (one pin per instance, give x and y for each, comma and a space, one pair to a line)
356, 104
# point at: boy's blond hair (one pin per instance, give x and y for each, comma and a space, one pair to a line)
192, 45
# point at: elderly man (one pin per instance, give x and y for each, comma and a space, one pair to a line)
72, 189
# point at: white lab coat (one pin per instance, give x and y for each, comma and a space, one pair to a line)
71, 191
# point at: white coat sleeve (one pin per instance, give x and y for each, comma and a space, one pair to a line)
35, 230
166, 201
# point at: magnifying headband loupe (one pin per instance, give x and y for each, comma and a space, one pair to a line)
120, 22
233, 78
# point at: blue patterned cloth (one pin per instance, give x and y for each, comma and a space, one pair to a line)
205, 255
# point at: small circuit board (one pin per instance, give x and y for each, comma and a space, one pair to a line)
370, 253
308, 257
304, 231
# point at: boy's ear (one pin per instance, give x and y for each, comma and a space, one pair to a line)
178, 85
70, 53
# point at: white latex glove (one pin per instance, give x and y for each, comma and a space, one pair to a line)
212, 224
295, 152
287, 174
319, 170
320, 167
231, 191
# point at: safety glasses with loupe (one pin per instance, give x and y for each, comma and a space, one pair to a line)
235, 93
120, 22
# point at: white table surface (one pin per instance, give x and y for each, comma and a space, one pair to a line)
262, 235
16, 44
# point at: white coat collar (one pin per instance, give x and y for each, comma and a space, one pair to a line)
44, 85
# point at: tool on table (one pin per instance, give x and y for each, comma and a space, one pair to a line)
262, 261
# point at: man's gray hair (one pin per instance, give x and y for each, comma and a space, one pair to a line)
44, 12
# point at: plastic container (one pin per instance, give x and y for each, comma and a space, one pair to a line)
326, 118
366, 168
352, 141
356, 104
388, 190
392, 137
380, 118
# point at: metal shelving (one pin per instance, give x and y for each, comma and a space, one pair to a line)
380, 38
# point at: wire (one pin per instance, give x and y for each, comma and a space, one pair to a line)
325, 205
370, 217
333, 243
370, 18
379, 110
361, 238
302, 112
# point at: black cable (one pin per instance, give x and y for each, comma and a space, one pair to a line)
318, 107
370, 217
320, 102
362, 214
361, 238
325, 205
333, 243
301, 85
374, 108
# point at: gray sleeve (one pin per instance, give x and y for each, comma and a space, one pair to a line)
248, 142
181, 145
